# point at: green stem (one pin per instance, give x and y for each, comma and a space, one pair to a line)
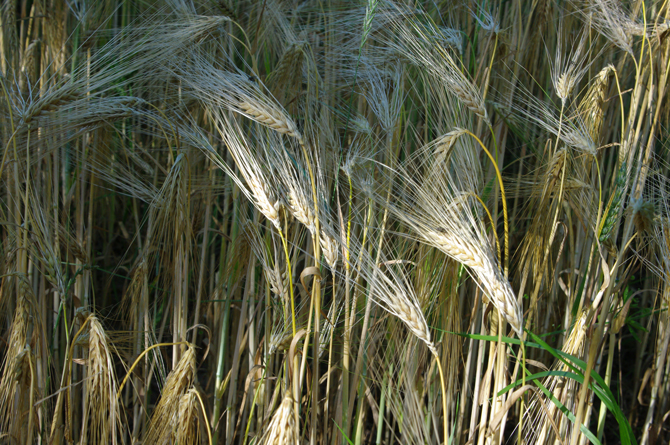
225, 326
289, 273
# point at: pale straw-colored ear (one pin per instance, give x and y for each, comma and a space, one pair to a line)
187, 425
591, 106
391, 289
273, 118
282, 429
162, 426
18, 384
440, 214
568, 69
102, 418
609, 18
409, 39
462, 247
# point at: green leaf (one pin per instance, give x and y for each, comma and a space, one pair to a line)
577, 366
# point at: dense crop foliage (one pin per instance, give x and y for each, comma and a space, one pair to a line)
326, 222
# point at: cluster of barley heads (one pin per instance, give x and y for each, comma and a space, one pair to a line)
334, 222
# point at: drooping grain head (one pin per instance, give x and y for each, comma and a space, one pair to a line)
282, 429
503, 297
18, 372
274, 119
455, 247
409, 36
300, 209
187, 428
413, 319
447, 220
391, 289
593, 102
102, 420
49, 101
162, 425
609, 18
329, 248
266, 203
484, 267
445, 143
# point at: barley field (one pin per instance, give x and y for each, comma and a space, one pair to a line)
331, 222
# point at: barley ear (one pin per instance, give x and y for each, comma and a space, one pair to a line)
274, 119
282, 429
162, 426
101, 423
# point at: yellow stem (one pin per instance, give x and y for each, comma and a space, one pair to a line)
204, 416
444, 399
493, 226
502, 195
139, 357
290, 280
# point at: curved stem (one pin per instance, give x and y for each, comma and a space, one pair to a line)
502, 196
139, 357
204, 416
493, 226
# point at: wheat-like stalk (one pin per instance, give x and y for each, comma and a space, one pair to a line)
385, 104
486, 20
593, 102
187, 427
360, 136
483, 265
273, 118
392, 291
19, 371
255, 182
572, 130
448, 220
409, 38
329, 247
566, 72
609, 18
163, 424
538, 233
102, 418
282, 429
218, 88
